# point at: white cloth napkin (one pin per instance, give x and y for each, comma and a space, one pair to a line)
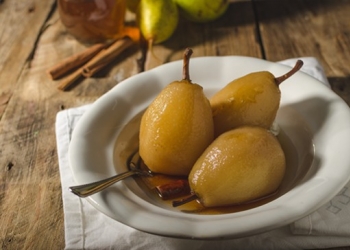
334, 217
87, 228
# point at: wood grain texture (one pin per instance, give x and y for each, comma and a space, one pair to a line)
21, 22
30, 195
309, 28
232, 34
33, 39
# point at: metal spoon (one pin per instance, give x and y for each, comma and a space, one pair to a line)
94, 187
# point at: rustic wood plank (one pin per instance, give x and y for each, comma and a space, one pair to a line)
30, 194
27, 19
232, 34
309, 28
30, 198
16, 199
31, 175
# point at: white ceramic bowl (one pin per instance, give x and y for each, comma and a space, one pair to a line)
315, 132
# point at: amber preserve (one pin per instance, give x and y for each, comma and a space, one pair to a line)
92, 21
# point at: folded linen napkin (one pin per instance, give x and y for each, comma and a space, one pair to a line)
334, 217
87, 228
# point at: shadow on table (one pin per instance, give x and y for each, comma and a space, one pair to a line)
239, 14
341, 86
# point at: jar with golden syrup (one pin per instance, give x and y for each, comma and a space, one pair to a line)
92, 21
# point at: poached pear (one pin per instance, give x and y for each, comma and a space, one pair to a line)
249, 100
177, 126
240, 166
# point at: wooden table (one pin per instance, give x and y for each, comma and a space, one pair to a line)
33, 39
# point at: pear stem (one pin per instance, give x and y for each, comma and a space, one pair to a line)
186, 64
296, 68
185, 200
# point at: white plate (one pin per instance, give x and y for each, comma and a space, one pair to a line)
315, 133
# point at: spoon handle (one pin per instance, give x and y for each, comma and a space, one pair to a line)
94, 187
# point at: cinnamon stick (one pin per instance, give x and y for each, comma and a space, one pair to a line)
60, 69
99, 61
173, 189
105, 56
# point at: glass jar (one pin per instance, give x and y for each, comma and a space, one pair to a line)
92, 21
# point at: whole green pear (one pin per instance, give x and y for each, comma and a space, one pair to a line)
157, 19
202, 10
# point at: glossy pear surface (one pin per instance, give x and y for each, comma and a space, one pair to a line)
240, 166
176, 128
157, 19
250, 100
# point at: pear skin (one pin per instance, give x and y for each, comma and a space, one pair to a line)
251, 100
157, 19
240, 166
202, 11
176, 128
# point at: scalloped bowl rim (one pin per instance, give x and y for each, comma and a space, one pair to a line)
95, 134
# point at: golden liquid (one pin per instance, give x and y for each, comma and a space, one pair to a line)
127, 142
149, 184
92, 21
